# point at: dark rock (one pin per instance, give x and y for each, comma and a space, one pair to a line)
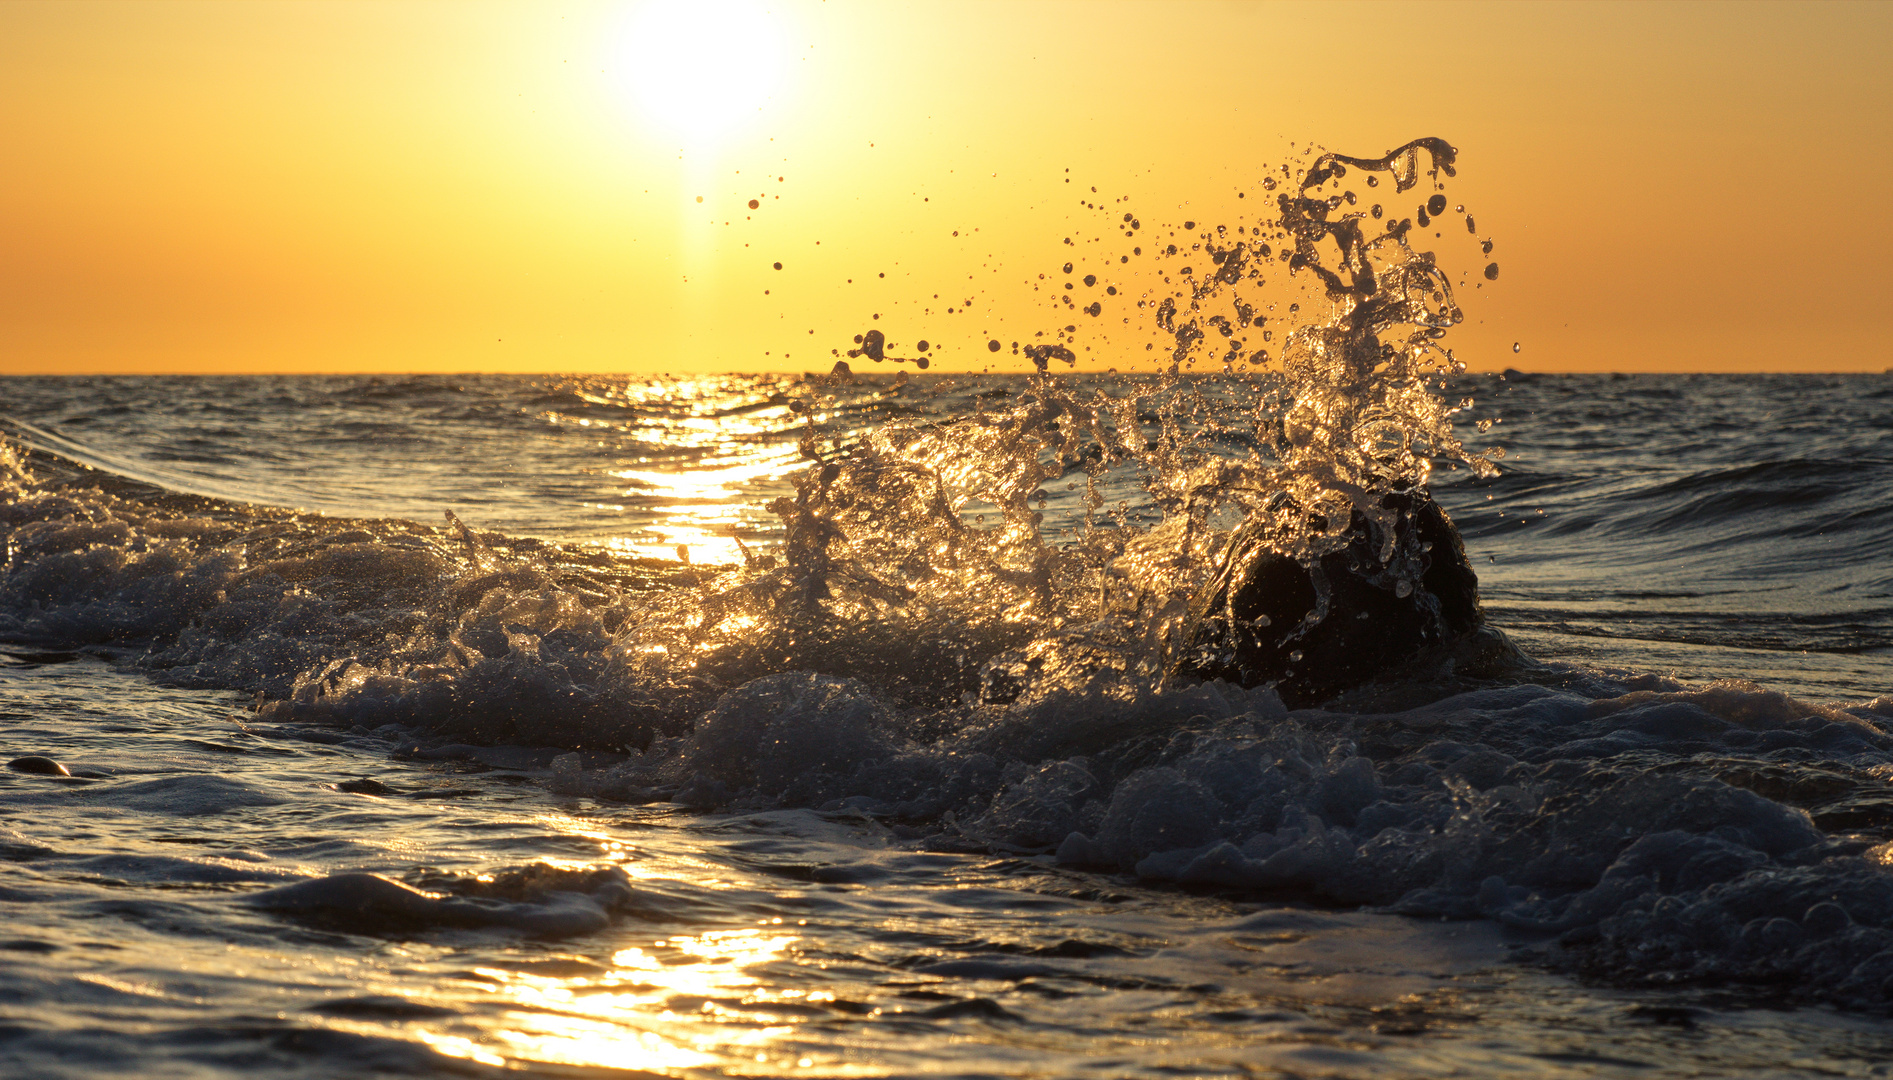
41, 766
382, 1007
1252, 624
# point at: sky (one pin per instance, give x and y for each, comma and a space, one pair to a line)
454, 187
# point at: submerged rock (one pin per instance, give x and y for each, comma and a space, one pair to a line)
1256, 624
538, 900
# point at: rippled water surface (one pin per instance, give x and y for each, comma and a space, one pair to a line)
1607, 864
1690, 515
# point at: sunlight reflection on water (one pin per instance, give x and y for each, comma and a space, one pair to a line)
701, 507
683, 1001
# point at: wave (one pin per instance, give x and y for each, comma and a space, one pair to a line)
64, 453
1643, 828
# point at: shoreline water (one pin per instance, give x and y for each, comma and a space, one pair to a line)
1743, 806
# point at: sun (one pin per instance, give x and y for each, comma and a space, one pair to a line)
700, 68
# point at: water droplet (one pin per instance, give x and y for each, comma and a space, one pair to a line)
778, 266
1373, 181
1516, 346
1090, 280
1402, 589
1436, 205
753, 204
1295, 657
1492, 271
992, 346
1067, 268
922, 345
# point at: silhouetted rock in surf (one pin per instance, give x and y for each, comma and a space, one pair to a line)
1252, 624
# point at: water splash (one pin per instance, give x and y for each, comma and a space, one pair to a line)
916, 557
916, 554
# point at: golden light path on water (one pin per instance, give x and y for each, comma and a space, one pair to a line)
630, 1016
706, 456
699, 506
681, 1001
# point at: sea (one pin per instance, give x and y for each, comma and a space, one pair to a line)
626, 726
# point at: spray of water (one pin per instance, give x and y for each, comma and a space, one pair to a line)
916, 557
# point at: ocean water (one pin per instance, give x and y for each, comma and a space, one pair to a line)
577, 785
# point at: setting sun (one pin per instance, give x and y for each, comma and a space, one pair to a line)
700, 69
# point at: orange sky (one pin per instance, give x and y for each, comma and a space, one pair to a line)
259, 187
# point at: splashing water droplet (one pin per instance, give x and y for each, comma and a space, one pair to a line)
875, 538
1492, 271
1516, 346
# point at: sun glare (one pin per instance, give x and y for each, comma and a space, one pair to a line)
700, 68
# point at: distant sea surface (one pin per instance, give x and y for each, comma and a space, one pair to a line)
1713, 526
354, 793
